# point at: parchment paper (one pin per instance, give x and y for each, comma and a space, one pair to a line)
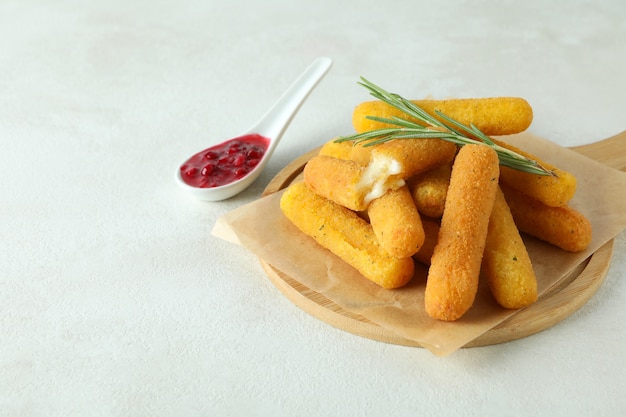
263, 229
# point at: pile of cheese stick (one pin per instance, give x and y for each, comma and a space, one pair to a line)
453, 208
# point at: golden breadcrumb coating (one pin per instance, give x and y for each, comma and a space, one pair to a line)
414, 156
396, 222
340, 150
429, 190
555, 191
431, 233
345, 234
563, 227
492, 115
455, 265
506, 264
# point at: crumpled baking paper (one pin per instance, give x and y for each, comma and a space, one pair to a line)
262, 228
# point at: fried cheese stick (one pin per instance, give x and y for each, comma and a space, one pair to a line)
429, 190
455, 265
413, 156
348, 183
345, 234
506, 263
340, 150
431, 235
373, 170
555, 191
396, 222
563, 227
493, 116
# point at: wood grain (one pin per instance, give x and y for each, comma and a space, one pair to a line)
552, 308
610, 151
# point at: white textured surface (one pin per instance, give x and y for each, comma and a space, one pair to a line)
116, 301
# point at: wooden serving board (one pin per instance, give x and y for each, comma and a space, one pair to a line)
574, 292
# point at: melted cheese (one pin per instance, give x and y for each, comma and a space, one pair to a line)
378, 178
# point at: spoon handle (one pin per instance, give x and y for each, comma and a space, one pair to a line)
274, 123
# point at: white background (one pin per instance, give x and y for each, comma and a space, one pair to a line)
116, 301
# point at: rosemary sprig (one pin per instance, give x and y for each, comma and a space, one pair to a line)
447, 129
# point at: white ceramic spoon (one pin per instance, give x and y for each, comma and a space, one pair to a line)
270, 127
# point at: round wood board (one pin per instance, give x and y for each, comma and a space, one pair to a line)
574, 292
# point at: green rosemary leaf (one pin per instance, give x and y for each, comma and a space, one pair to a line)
446, 129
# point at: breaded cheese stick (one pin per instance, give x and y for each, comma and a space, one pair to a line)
396, 222
555, 191
563, 227
413, 156
431, 235
493, 115
345, 234
506, 264
348, 183
373, 170
340, 150
455, 265
429, 190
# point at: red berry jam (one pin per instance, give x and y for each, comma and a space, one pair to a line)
224, 163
